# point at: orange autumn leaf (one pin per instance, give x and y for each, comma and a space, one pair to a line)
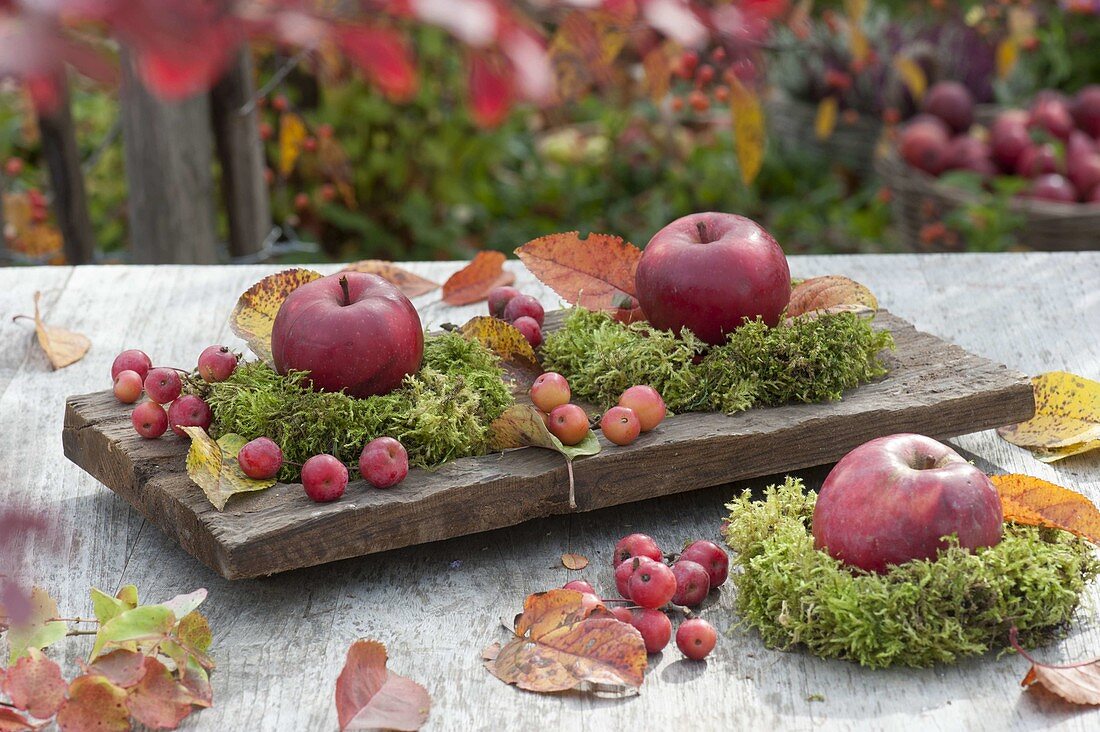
560, 644
1034, 502
831, 292
473, 282
596, 273
413, 285
574, 562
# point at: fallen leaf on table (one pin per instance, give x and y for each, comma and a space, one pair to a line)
37, 629
831, 292
522, 425
12, 721
516, 355
34, 684
158, 700
574, 561
253, 316
94, 703
213, 466
1066, 421
596, 273
1034, 502
1078, 683
473, 282
560, 644
413, 285
369, 696
62, 347
121, 667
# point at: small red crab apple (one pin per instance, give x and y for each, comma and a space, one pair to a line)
692, 583
163, 385
646, 403
550, 390
655, 627
131, 360
128, 386
217, 363
623, 613
260, 459
499, 298
324, 478
653, 584
636, 545
524, 306
530, 330
711, 557
569, 424
384, 462
189, 411
696, 638
623, 573
620, 425
579, 586
149, 419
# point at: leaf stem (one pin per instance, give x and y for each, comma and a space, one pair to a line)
1014, 641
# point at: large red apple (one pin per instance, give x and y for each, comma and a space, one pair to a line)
708, 272
893, 499
351, 331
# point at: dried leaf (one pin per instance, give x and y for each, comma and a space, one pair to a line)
34, 684
159, 700
369, 696
559, 644
1066, 421
825, 120
829, 292
748, 130
574, 562
596, 273
1078, 683
413, 285
253, 316
12, 721
62, 347
912, 75
38, 629
213, 467
292, 131
121, 667
473, 282
1034, 502
518, 359
94, 705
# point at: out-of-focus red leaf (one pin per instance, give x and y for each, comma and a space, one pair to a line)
490, 91
35, 684
12, 721
368, 696
383, 56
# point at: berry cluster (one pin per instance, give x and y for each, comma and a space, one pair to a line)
640, 409
522, 311
710, 78
643, 578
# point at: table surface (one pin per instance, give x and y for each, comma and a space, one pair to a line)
280, 642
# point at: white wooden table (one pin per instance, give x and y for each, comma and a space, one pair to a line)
280, 642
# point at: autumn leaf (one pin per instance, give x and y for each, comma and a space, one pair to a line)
12, 721
831, 292
145, 623
413, 285
522, 425
574, 562
213, 466
912, 75
1034, 502
748, 130
106, 607
825, 119
1007, 54
121, 667
583, 50
369, 696
34, 684
292, 131
517, 358
1066, 421
62, 347
473, 282
254, 314
596, 273
384, 57
657, 64
158, 700
94, 704
38, 629
1078, 683
560, 644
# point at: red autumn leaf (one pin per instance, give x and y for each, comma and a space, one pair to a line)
159, 700
490, 92
413, 285
473, 282
13, 721
596, 273
383, 56
368, 696
1078, 683
94, 705
35, 684
122, 668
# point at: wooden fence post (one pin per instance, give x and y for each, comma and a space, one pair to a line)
240, 153
70, 203
168, 150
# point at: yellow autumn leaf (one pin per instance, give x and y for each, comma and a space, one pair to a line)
1008, 53
1033, 502
825, 121
213, 466
292, 131
912, 75
748, 129
253, 316
517, 358
1066, 421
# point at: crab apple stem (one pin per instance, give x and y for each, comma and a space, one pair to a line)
572, 486
344, 287
1014, 641
702, 230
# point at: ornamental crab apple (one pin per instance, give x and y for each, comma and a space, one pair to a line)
217, 363
324, 478
696, 638
384, 462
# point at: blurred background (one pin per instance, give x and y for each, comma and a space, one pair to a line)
203, 131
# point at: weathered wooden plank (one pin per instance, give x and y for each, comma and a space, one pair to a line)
933, 388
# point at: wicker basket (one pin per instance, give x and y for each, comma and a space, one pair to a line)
918, 199
851, 145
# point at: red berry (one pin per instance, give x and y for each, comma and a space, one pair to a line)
217, 363
163, 385
688, 61
260, 459
384, 462
624, 614
705, 74
324, 131
189, 411
712, 558
550, 390
131, 360
149, 420
636, 545
655, 627
309, 144
280, 103
301, 202
499, 297
530, 330
569, 424
677, 104
265, 131
524, 305
579, 586
722, 93
698, 101
324, 478
620, 425
13, 167
652, 584
646, 403
127, 386
718, 55
696, 638
692, 583
328, 193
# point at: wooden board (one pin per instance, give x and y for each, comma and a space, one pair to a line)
933, 388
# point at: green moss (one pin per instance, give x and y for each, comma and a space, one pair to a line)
806, 360
920, 613
440, 413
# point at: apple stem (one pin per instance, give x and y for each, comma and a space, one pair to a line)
344, 287
702, 227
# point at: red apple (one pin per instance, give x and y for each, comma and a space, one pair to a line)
1051, 187
952, 102
1086, 109
1050, 112
708, 272
1038, 160
351, 331
893, 499
923, 143
969, 153
1008, 138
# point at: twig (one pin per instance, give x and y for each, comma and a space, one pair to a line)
277, 78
